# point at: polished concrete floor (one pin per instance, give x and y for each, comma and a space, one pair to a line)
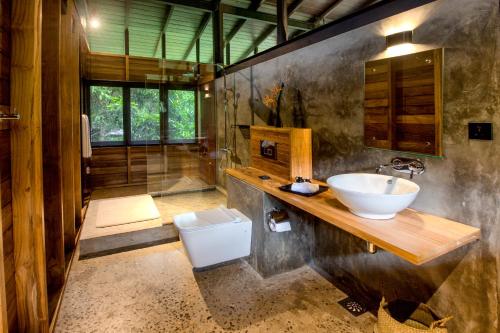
156, 290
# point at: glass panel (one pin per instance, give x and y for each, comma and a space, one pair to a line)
106, 114
181, 115
145, 114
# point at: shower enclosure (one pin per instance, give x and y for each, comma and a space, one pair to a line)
181, 153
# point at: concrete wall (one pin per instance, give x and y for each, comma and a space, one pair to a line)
464, 186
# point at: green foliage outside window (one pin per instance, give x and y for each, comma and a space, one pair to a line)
145, 114
181, 115
106, 113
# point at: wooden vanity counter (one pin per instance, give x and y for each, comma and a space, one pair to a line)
411, 235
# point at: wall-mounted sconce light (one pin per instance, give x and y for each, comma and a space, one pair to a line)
399, 43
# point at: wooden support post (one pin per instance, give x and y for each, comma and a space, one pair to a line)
198, 53
228, 54
127, 52
129, 165
282, 23
52, 145
218, 35
67, 135
163, 46
4, 319
77, 118
26, 145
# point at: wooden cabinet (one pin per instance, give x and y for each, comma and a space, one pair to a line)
403, 103
285, 152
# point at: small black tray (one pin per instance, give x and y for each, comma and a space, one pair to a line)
288, 188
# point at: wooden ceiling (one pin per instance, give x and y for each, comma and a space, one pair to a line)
246, 25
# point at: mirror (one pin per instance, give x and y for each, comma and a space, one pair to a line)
403, 103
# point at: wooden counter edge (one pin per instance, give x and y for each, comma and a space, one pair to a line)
411, 257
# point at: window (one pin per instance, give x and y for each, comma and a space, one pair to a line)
145, 115
106, 114
181, 115
128, 114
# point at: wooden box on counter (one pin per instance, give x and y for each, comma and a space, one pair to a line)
284, 152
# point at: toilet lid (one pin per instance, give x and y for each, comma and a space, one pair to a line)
207, 218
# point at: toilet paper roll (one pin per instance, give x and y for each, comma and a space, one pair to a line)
279, 227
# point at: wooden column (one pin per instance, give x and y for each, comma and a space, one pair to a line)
218, 35
52, 145
77, 126
228, 54
27, 192
198, 53
4, 319
282, 22
163, 46
67, 129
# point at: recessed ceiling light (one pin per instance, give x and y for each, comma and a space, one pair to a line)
94, 22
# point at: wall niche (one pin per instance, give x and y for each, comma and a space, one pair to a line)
403, 103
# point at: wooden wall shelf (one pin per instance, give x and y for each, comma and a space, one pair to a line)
413, 236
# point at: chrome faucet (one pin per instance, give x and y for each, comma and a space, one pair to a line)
405, 165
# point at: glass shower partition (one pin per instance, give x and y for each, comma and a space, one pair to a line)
180, 148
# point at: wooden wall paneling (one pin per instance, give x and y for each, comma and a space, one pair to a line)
77, 143
27, 193
67, 128
7, 229
106, 67
52, 150
403, 103
134, 165
293, 151
4, 319
8, 285
111, 67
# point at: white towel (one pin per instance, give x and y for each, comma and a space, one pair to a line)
86, 147
305, 187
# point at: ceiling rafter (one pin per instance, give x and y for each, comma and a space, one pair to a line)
266, 33
327, 11
254, 5
270, 29
265, 17
166, 18
294, 6
200, 5
201, 28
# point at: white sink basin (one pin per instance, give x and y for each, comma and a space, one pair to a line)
373, 196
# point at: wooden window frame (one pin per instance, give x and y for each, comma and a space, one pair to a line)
127, 120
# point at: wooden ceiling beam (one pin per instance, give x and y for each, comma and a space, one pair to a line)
282, 24
200, 5
254, 5
327, 11
201, 28
264, 17
166, 18
266, 33
294, 6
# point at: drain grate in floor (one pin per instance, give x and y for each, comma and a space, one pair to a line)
354, 307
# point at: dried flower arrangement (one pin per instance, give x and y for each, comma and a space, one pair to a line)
273, 100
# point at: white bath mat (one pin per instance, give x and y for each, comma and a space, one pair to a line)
124, 210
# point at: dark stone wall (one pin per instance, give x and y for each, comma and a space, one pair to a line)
272, 252
463, 186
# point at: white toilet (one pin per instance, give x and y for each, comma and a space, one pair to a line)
214, 236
